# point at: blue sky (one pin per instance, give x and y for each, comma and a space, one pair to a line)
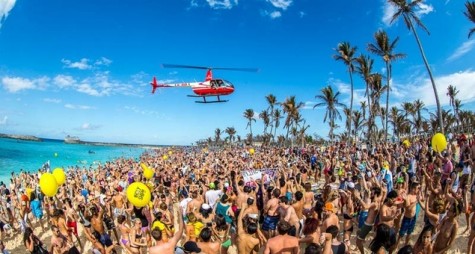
83, 67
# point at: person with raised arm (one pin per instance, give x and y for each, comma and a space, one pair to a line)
162, 247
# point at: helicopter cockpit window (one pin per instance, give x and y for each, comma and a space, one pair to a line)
219, 83
227, 83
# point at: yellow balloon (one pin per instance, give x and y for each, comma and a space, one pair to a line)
144, 167
439, 143
148, 173
48, 185
59, 175
407, 143
165, 157
251, 151
170, 152
28, 192
138, 194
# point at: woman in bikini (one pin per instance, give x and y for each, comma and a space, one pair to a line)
308, 200
137, 240
424, 243
124, 234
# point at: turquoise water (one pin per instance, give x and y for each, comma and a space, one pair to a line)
30, 155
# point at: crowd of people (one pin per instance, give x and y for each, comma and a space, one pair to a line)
336, 199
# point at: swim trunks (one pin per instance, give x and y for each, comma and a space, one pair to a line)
270, 223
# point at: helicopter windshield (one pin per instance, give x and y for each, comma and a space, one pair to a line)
227, 83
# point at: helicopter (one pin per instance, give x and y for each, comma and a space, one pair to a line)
211, 87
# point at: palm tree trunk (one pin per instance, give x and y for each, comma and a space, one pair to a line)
439, 111
351, 100
388, 72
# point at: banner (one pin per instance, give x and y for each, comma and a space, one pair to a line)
255, 174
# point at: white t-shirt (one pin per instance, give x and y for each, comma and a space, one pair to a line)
212, 196
184, 205
467, 170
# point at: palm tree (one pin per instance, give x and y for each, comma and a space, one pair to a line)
452, 92
417, 107
364, 68
272, 101
329, 100
377, 89
345, 53
249, 115
264, 116
231, 132
470, 13
347, 113
407, 10
363, 108
277, 116
217, 136
384, 48
358, 122
291, 108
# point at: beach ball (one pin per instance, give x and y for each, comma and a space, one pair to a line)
165, 157
251, 151
407, 143
59, 175
138, 194
170, 152
143, 166
439, 143
48, 184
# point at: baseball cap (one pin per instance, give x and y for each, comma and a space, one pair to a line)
191, 246
205, 206
350, 185
212, 186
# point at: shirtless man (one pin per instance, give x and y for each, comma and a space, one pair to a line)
330, 218
206, 245
60, 244
308, 200
448, 229
390, 211
247, 242
168, 247
97, 224
195, 204
290, 216
282, 243
271, 214
118, 204
409, 220
298, 207
370, 210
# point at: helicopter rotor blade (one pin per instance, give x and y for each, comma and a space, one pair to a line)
185, 66
208, 68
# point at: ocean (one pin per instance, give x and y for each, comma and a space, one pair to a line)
16, 155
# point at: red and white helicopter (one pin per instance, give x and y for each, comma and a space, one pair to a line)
211, 87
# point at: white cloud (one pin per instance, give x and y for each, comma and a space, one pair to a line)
389, 10
462, 50
83, 64
220, 4
424, 9
5, 7
64, 81
281, 4
4, 120
103, 61
14, 85
421, 88
309, 105
72, 106
51, 100
345, 91
275, 14
89, 127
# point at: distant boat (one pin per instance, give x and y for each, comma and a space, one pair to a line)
91, 152
71, 140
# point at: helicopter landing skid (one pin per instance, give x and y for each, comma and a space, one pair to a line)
206, 101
